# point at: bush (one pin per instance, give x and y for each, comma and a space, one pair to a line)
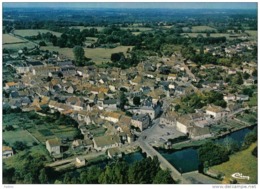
9, 128
250, 138
20, 146
254, 152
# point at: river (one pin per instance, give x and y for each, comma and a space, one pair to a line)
187, 160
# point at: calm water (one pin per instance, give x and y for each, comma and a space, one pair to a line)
133, 157
186, 160
183, 160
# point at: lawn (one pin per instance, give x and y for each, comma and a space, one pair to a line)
98, 55
35, 32
241, 162
9, 39
202, 28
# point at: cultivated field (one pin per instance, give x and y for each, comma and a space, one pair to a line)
98, 55
42, 128
9, 39
241, 162
32, 32
202, 28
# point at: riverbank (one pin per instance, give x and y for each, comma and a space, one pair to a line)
197, 143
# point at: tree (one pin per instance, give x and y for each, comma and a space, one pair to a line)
42, 43
231, 145
43, 178
18, 145
79, 55
246, 75
163, 177
254, 73
115, 57
123, 100
250, 138
254, 152
137, 100
212, 154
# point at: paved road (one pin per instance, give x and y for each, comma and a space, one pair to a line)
198, 178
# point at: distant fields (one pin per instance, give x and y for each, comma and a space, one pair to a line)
88, 27
9, 39
100, 29
32, 32
202, 28
227, 35
241, 162
98, 55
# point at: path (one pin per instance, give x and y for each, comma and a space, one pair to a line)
87, 157
36, 140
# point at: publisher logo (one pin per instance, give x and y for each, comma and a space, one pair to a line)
240, 176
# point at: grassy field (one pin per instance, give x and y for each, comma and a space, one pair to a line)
9, 39
98, 55
202, 28
242, 162
32, 32
18, 135
88, 27
19, 46
253, 100
252, 33
141, 29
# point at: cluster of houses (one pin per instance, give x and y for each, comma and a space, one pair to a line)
93, 96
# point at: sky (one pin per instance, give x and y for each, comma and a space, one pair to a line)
171, 5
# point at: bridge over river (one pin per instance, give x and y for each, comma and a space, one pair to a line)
185, 178
151, 152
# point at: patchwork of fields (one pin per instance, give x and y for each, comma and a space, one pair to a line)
29, 125
202, 28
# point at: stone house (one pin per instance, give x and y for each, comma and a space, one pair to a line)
53, 146
141, 121
103, 143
